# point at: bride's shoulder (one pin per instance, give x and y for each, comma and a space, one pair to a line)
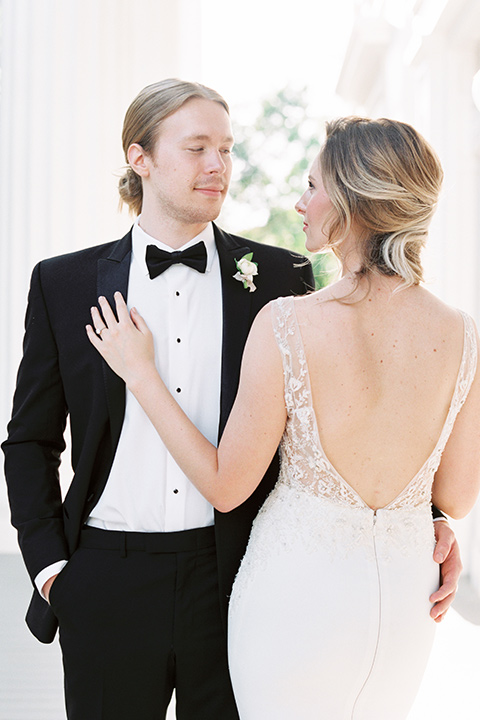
319, 301
447, 316
317, 297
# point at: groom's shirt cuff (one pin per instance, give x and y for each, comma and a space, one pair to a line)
47, 573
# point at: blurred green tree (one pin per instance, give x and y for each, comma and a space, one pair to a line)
272, 158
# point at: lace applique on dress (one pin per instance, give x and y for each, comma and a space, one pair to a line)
303, 461
311, 502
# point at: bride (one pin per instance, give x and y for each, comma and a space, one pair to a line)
370, 388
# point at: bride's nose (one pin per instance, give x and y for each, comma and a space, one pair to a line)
300, 206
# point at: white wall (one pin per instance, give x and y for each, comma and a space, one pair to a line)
69, 69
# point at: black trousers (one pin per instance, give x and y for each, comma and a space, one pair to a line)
139, 615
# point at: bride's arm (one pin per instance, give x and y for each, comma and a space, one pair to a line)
228, 476
455, 490
457, 480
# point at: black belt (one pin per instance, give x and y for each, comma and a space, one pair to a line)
155, 542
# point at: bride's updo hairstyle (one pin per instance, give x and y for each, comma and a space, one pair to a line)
384, 178
142, 125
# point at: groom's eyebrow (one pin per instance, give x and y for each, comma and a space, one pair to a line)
203, 137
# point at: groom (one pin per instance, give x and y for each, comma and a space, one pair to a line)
130, 563
127, 564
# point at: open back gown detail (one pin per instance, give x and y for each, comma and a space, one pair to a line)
329, 614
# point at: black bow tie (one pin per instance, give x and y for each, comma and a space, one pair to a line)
159, 260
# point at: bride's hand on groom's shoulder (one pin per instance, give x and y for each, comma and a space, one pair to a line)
123, 340
447, 554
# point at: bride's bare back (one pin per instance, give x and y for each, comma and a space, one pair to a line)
383, 371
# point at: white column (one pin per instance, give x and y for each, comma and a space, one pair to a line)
69, 69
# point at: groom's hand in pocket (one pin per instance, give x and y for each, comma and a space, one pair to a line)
47, 587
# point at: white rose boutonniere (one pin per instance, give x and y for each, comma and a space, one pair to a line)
247, 269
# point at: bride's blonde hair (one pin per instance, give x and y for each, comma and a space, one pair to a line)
382, 176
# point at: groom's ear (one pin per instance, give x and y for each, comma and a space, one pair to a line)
138, 160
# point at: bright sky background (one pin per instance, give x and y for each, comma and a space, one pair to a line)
253, 48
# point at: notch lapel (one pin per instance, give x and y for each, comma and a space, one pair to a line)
236, 318
112, 275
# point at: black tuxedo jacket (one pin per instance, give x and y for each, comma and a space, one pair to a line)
62, 376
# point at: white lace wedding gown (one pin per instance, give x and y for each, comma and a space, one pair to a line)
329, 615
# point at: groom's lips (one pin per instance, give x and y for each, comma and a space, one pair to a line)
212, 191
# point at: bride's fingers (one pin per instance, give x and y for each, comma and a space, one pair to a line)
138, 321
121, 308
93, 336
98, 322
133, 316
108, 314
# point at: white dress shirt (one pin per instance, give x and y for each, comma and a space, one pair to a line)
146, 491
